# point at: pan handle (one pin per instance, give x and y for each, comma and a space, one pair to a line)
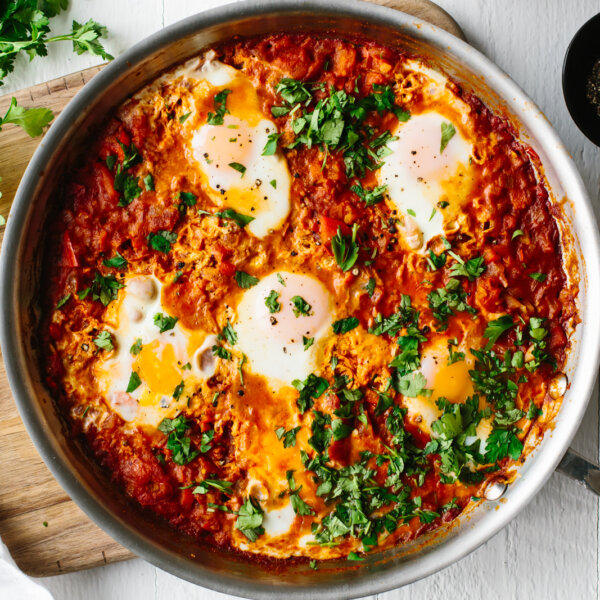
580, 469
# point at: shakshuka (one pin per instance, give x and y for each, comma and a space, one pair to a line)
307, 297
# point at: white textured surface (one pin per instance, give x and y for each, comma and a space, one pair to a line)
551, 549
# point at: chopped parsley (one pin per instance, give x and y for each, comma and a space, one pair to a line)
369, 196
345, 325
307, 342
272, 303
345, 248
228, 333
288, 437
221, 352
205, 486
103, 288
136, 347
271, 145
370, 286
250, 519
496, 328
448, 131
164, 322
179, 444
444, 301
178, 390
310, 389
240, 168
116, 262
517, 233
149, 182
183, 118
134, 382
63, 300
471, 269
300, 507
220, 101
104, 340
244, 280
238, 218
162, 240
540, 277
300, 306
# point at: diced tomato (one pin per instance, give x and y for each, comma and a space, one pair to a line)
67, 257
329, 228
227, 268
186, 499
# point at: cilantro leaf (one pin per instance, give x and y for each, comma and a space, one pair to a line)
448, 131
32, 120
116, 262
370, 196
244, 280
104, 340
272, 303
162, 240
271, 145
238, 218
300, 306
345, 248
240, 168
289, 437
345, 325
502, 443
310, 389
250, 519
220, 102
103, 288
179, 444
164, 322
496, 328
134, 382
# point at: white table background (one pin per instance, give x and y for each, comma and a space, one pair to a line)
551, 549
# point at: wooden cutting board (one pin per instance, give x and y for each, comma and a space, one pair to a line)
45, 531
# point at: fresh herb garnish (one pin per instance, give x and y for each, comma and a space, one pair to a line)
136, 347
25, 25
162, 240
471, 269
310, 389
496, 328
103, 288
221, 352
204, 487
345, 325
244, 280
229, 213
272, 303
370, 196
116, 262
250, 519
300, 507
63, 300
32, 120
271, 145
300, 306
149, 182
307, 342
134, 382
228, 333
345, 248
104, 340
370, 286
179, 444
288, 437
540, 277
164, 322
220, 101
448, 131
240, 168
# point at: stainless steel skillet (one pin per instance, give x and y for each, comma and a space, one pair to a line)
19, 281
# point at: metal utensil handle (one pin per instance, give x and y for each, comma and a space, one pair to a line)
580, 469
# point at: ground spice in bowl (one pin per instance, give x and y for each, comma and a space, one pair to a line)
592, 90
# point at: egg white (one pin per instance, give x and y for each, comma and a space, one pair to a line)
273, 342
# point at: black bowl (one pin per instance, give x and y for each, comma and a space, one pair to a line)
582, 53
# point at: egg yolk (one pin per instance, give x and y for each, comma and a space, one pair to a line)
159, 370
